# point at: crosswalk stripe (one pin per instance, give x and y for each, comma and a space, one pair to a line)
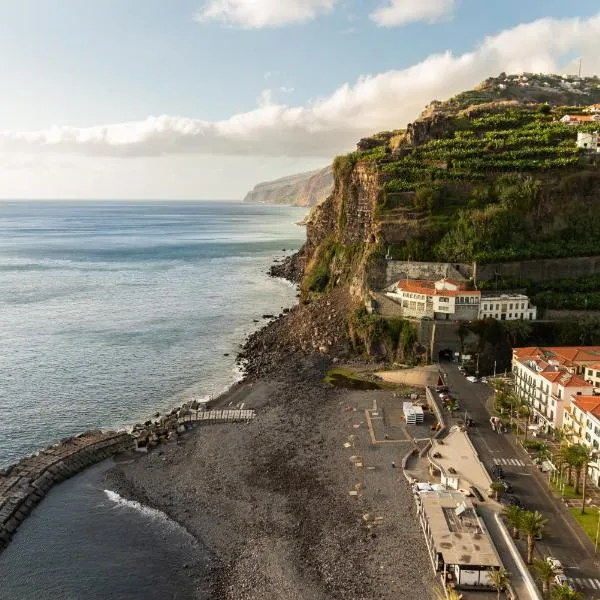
586, 582
595, 584
513, 462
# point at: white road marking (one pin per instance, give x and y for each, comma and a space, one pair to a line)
512, 462
586, 582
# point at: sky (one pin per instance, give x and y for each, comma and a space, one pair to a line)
203, 99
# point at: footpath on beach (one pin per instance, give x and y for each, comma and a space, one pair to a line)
24, 484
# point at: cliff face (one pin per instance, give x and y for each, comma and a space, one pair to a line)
304, 189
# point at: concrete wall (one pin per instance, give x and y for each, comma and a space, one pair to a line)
400, 269
24, 484
541, 270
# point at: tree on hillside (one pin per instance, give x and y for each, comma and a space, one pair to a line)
500, 579
517, 331
512, 514
546, 573
564, 592
532, 525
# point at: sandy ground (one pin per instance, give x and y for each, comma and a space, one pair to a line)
271, 498
420, 376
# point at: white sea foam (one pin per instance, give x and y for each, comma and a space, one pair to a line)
148, 512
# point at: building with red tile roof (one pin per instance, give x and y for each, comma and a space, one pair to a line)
582, 424
546, 378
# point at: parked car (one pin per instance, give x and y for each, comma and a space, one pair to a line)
555, 563
562, 579
507, 487
511, 500
467, 493
472, 379
484, 380
461, 368
498, 472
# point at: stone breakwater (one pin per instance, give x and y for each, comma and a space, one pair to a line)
24, 484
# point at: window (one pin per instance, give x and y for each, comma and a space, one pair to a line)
595, 444
590, 372
485, 307
510, 306
588, 437
497, 307
444, 299
589, 425
598, 374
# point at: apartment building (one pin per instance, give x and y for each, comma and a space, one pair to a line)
507, 307
582, 422
547, 378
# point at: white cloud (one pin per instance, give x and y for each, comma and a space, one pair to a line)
257, 14
331, 124
400, 12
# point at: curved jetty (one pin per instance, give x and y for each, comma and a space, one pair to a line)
25, 483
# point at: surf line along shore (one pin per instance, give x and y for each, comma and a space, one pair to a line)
24, 484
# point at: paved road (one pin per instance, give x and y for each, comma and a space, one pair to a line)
562, 536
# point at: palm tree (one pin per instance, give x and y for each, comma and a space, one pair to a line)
500, 578
447, 594
532, 525
591, 457
564, 592
546, 572
452, 406
568, 458
525, 412
497, 488
579, 458
512, 514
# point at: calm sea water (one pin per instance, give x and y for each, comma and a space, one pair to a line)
110, 312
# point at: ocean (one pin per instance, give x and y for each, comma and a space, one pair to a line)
109, 313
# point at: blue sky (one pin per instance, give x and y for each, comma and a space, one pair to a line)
260, 87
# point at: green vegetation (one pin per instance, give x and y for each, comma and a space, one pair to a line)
581, 293
588, 521
374, 335
484, 184
334, 264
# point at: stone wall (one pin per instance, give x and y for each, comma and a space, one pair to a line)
24, 484
540, 270
431, 271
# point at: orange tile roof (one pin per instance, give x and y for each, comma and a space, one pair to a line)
580, 118
428, 288
588, 404
573, 354
570, 380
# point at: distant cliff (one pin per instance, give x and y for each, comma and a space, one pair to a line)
304, 189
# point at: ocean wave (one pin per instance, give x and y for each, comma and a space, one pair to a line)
148, 512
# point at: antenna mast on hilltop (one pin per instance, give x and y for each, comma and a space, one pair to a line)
580, 63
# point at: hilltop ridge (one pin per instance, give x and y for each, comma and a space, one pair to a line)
302, 189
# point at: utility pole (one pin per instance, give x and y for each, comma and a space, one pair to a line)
580, 62
477, 366
494, 368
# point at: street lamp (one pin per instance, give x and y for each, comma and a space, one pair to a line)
597, 530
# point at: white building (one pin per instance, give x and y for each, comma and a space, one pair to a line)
588, 141
507, 307
444, 299
582, 419
592, 375
546, 379
448, 299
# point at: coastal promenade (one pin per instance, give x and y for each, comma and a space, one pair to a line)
24, 484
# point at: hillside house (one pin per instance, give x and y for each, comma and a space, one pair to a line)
449, 299
580, 119
507, 307
593, 109
588, 141
444, 299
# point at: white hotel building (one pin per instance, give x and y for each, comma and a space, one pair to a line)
547, 378
448, 299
